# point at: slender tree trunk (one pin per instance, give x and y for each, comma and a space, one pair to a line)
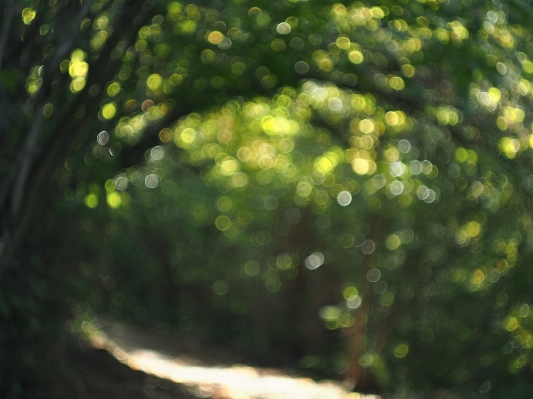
357, 334
356, 375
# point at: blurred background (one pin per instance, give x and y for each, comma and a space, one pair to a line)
343, 189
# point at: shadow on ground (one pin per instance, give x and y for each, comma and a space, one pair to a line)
93, 374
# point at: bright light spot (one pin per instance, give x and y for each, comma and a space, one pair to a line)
408, 70
292, 215
251, 268
323, 221
109, 185
314, 261
102, 137
366, 126
350, 292
28, 15
509, 146
215, 37
393, 242
447, 116
461, 237
301, 67
237, 68
425, 194
373, 275
354, 302
478, 277
272, 283
485, 387
165, 135
511, 324
415, 167
343, 42
113, 89
366, 360
157, 153
279, 125
404, 146
524, 310
263, 237
304, 188
517, 364
113, 200
335, 104
368, 246
151, 181
225, 44
121, 183
396, 83
397, 169
283, 28
223, 223
77, 84
78, 68
229, 166
271, 203
396, 187
473, 229
188, 27
344, 198
239, 179
401, 350
109, 111
422, 192
378, 181
392, 118
324, 165
224, 204
489, 99
284, 261
360, 166
154, 81
330, 313
91, 200
102, 22
355, 57
220, 287
432, 196
188, 135
48, 110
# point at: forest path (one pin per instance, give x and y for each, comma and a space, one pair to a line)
182, 360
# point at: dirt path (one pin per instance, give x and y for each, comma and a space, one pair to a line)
206, 374
93, 374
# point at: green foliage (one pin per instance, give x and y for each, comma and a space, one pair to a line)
341, 186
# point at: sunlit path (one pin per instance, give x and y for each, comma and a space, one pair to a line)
211, 381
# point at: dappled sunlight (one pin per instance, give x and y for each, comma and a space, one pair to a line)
211, 381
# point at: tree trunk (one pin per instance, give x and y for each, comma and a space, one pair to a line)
358, 376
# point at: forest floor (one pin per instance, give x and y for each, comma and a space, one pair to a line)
157, 364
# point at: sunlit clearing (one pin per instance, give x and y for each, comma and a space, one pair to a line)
237, 381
